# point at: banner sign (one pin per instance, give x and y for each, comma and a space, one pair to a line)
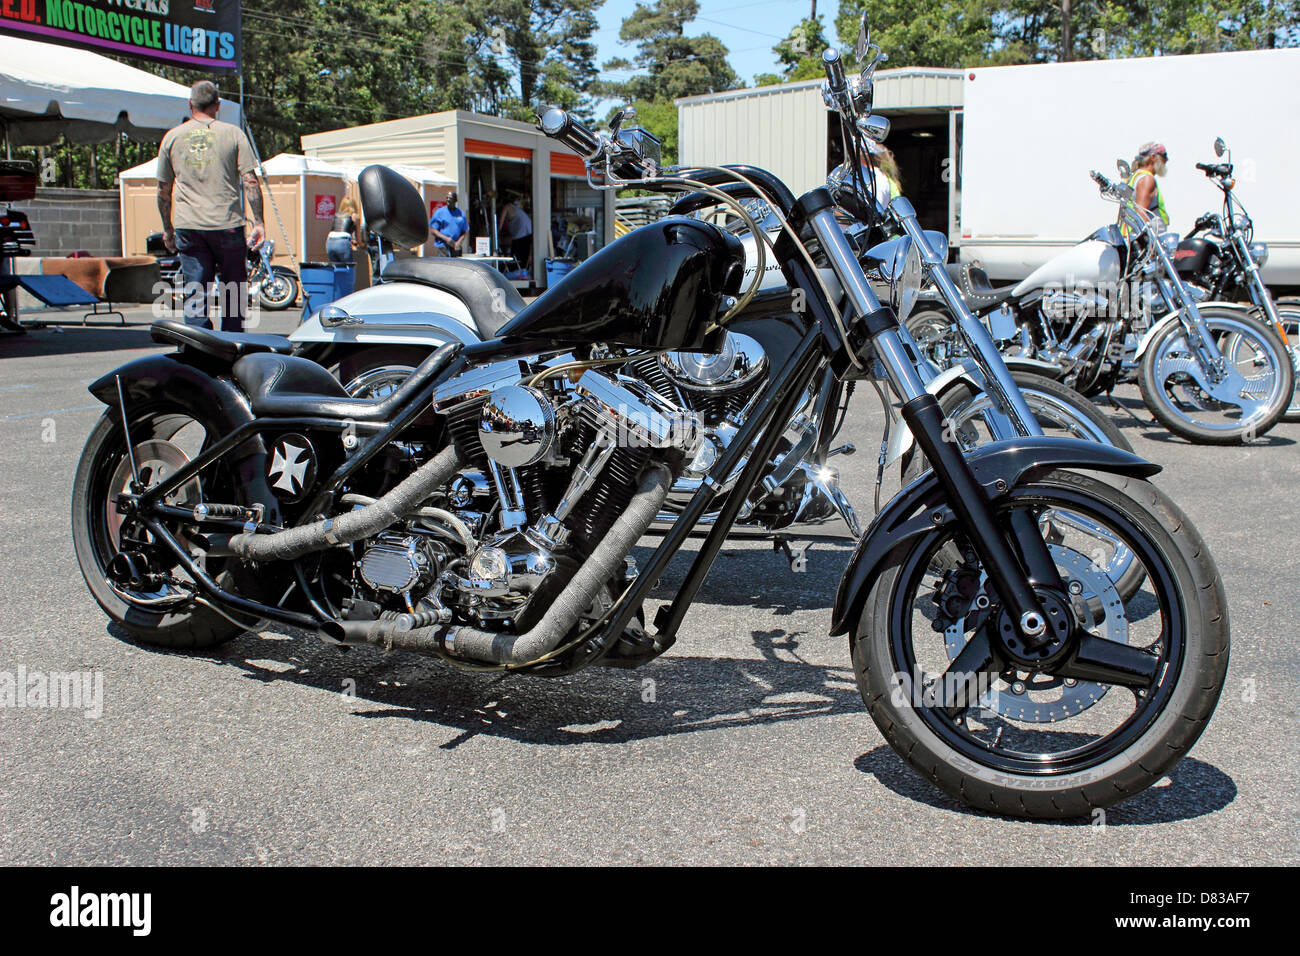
199, 34
324, 206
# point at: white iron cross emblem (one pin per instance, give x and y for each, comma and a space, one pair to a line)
288, 463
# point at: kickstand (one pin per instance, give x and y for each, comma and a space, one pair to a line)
798, 557
1115, 404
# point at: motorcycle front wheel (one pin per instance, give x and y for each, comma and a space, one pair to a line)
1029, 742
278, 291
1258, 383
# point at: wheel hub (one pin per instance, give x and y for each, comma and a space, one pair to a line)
1026, 691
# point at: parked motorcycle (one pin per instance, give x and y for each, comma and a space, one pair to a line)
273, 287
1081, 312
1220, 260
374, 338
972, 675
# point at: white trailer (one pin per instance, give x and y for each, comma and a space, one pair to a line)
1032, 133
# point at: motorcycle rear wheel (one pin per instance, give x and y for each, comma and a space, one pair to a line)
1053, 763
97, 527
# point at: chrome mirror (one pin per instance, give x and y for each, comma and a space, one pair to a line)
875, 128
864, 40
333, 316
1124, 169
1220, 147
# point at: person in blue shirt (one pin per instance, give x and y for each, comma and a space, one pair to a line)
449, 227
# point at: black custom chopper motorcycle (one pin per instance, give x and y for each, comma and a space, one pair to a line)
229, 483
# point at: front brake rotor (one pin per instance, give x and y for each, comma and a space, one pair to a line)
1043, 698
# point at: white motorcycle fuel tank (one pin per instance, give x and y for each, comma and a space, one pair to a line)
1091, 261
394, 312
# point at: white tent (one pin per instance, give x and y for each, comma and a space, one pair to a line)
48, 91
282, 164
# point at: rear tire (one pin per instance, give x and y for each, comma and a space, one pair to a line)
191, 628
376, 372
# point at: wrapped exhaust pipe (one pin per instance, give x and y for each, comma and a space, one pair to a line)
402, 500
495, 647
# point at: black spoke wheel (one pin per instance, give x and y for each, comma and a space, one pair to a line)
163, 440
1095, 725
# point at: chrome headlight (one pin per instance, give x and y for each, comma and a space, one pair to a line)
1259, 252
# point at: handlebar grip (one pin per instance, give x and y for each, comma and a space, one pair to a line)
1100, 180
1204, 166
834, 70
560, 125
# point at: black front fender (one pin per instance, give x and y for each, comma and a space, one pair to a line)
213, 402
999, 467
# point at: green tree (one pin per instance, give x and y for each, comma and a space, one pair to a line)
951, 33
800, 54
525, 53
673, 64
660, 118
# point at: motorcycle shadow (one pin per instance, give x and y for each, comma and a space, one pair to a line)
1130, 415
1192, 789
670, 696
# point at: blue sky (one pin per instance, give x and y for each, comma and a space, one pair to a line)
749, 28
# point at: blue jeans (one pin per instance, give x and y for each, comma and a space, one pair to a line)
204, 253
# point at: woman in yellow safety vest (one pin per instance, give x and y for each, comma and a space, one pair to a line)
1149, 163
883, 169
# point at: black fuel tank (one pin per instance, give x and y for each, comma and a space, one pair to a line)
1192, 255
658, 287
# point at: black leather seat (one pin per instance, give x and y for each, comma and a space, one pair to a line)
973, 283
285, 386
227, 346
488, 295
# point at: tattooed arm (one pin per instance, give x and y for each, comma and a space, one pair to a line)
253, 192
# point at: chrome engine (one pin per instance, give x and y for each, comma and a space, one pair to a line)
551, 464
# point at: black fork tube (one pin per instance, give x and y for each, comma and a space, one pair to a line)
971, 503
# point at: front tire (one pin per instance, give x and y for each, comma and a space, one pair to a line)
1053, 763
279, 291
1261, 369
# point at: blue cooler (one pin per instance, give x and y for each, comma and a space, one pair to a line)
324, 282
557, 269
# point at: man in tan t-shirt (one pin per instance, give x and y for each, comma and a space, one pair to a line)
201, 166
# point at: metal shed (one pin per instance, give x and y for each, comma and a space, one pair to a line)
784, 129
491, 158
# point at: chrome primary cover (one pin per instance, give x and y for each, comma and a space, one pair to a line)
741, 360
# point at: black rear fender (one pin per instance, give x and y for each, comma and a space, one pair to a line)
215, 403
999, 467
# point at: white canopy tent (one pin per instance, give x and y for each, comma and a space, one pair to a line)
48, 91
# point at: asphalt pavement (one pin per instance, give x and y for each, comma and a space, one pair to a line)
747, 743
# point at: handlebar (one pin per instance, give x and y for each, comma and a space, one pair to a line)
1215, 169
559, 124
835, 71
